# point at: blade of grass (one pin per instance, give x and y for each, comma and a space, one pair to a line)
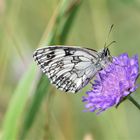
34, 107
17, 104
69, 21
42, 87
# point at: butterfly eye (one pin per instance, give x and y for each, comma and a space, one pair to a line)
106, 52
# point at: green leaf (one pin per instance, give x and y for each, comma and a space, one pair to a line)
43, 86
69, 21
17, 105
35, 104
18, 101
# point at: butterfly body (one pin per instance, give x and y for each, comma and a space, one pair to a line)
71, 68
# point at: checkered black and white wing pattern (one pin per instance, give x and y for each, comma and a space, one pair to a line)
68, 68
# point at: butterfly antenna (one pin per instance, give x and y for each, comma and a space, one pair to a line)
108, 37
110, 44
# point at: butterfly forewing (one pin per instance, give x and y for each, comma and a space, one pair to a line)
68, 68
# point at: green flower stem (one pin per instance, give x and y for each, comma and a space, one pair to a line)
134, 101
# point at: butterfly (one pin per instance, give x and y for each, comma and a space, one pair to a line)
70, 68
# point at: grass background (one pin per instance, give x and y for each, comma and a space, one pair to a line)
31, 108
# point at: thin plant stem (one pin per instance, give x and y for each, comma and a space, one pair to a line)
134, 101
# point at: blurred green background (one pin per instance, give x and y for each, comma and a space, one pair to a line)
31, 108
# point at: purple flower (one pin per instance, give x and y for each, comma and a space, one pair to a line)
113, 83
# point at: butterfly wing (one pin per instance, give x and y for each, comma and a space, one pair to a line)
68, 68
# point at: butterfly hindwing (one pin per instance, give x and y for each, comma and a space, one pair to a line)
68, 68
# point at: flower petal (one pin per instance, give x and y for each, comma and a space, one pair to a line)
113, 83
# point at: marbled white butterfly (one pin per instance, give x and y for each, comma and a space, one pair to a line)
70, 68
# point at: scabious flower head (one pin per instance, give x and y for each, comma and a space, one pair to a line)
113, 83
